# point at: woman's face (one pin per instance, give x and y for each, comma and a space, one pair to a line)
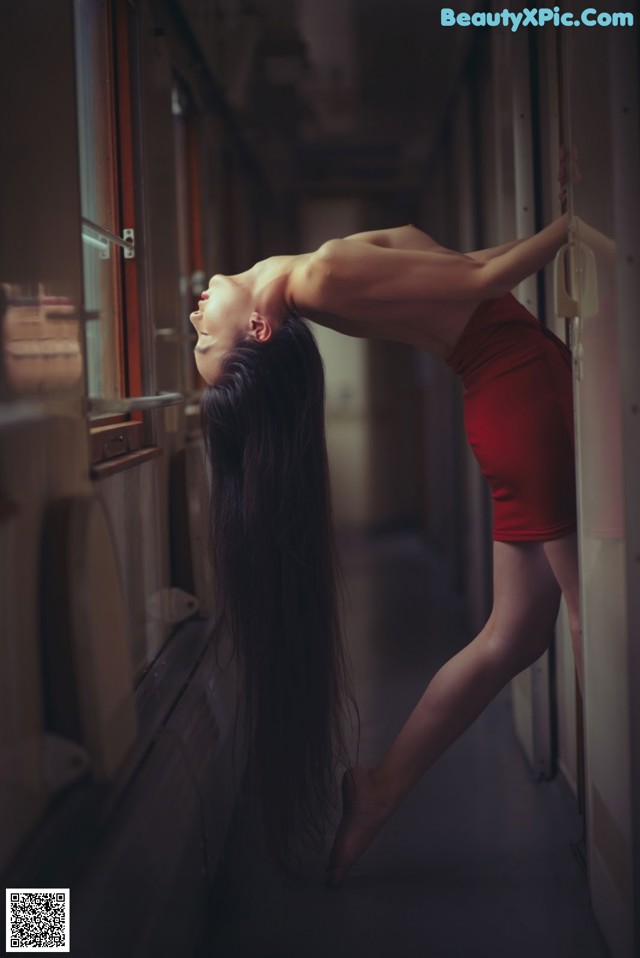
223, 316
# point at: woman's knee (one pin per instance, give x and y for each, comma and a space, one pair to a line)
526, 603
515, 649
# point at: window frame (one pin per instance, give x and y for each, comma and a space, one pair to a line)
189, 165
129, 327
121, 18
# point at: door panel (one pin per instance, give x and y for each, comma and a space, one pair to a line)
515, 121
593, 102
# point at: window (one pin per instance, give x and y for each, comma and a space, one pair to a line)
190, 248
102, 31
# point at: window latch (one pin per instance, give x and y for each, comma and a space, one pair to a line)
129, 237
102, 239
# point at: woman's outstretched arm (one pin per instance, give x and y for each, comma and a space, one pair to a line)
411, 238
517, 261
484, 255
362, 280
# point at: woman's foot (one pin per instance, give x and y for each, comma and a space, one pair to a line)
363, 814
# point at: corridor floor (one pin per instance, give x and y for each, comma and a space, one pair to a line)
477, 863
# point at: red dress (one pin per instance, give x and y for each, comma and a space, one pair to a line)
518, 416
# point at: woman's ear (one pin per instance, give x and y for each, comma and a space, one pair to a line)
260, 328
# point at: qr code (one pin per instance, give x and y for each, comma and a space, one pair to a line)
37, 919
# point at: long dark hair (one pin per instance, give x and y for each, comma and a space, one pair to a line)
277, 573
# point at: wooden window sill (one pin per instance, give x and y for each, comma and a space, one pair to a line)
98, 422
119, 463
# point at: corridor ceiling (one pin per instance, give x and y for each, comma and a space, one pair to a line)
358, 88
377, 78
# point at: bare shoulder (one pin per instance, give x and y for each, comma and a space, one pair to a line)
303, 277
407, 237
310, 274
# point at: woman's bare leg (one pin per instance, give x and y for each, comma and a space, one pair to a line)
525, 605
563, 559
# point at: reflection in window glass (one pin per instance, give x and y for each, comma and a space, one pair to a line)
101, 258
40, 340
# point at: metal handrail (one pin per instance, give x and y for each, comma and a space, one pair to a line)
19, 412
103, 404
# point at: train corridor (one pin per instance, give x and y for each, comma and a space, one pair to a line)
477, 862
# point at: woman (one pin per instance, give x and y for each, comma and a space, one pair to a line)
270, 509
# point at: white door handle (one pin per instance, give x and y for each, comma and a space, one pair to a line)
564, 303
586, 272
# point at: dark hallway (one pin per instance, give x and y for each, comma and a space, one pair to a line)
478, 862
